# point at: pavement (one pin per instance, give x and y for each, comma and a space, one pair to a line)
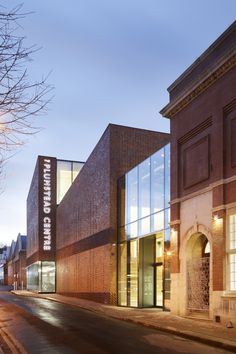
203, 330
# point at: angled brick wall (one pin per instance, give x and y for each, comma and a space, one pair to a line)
87, 216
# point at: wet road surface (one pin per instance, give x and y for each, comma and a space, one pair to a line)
44, 326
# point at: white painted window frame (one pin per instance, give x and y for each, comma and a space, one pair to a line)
229, 250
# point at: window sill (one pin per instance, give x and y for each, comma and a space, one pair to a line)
227, 294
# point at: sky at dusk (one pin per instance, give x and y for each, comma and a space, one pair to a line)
110, 62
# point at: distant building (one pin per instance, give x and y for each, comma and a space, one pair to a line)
202, 113
10, 264
4, 251
15, 267
19, 262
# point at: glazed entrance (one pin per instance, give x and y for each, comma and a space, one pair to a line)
144, 233
144, 274
151, 272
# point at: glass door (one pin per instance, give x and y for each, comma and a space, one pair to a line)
146, 272
159, 270
159, 285
133, 274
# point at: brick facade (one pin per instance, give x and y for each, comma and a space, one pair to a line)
202, 112
87, 216
15, 267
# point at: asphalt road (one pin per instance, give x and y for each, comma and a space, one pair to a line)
43, 326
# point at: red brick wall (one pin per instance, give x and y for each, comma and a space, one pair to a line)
218, 253
87, 216
187, 128
85, 208
35, 213
206, 117
86, 274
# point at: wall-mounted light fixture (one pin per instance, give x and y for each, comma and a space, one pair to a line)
217, 219
173, 232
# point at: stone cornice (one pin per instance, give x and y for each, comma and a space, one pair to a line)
175, 107
175, 222
204, 190
224, 207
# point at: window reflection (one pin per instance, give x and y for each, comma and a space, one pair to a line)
41, 276
167, 218
232, 271
158, 221
63, 178
132, 195
33, 279
232, 251
144, 188
76, 168
144, 226
144, 196
48, 277
167, 176
157, 178
133, 230
67, 171
121, 200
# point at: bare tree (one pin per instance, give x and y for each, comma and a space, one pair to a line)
20, 99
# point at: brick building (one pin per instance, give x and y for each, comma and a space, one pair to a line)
15, 266
19, 262
51, 180
10, 265
202, 113
4, 252
108, 237
86, 244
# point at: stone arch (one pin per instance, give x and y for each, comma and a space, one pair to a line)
196, 267
195, 229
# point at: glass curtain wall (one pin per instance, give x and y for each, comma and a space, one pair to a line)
144, 233
67, 171
33, 279
41, 277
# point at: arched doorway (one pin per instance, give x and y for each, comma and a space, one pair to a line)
198, 273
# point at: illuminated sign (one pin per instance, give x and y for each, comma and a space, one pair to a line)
47, 204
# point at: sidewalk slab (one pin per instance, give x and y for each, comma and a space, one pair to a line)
204, 331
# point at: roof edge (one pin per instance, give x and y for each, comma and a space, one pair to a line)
203, 56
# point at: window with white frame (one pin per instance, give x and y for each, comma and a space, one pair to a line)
232, 251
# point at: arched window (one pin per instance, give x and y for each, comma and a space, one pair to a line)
207, 249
